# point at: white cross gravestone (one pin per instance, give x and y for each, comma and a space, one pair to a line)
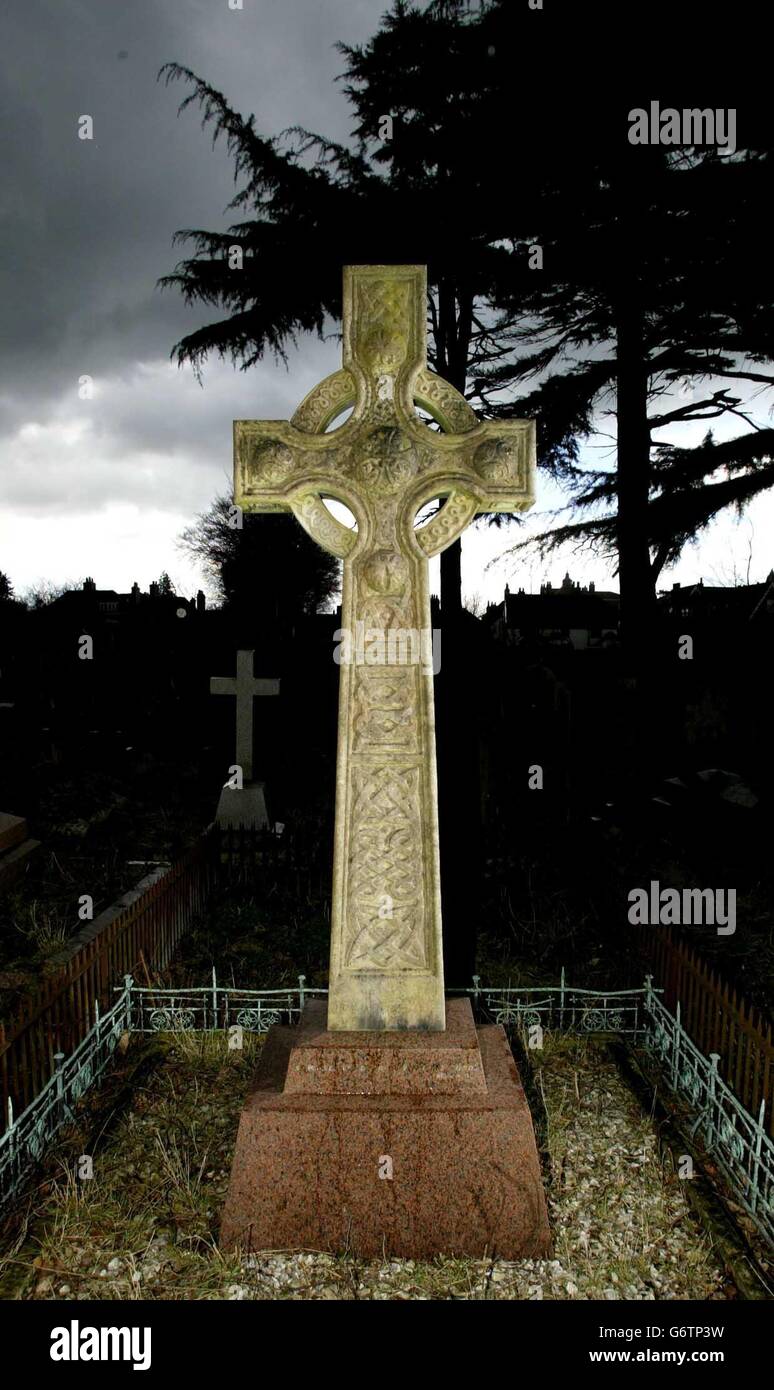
242, 801
389, 1123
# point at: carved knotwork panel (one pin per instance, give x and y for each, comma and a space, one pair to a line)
383, 324
385, 715
322, 526
324, 402
457, 512
385, 599
384, 460
443, 401
385, 908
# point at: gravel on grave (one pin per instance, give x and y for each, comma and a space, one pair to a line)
145, 1227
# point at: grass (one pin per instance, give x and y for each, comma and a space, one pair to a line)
159, 1180
91, 826
161, 1135
259, 936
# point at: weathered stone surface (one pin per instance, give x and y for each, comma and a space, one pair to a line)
465, 1176
13, 829
384, 463
365, 1064
13, 862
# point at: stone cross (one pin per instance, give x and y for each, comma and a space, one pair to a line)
385, 463
244, 686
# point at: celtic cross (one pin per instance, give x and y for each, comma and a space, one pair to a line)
385, 463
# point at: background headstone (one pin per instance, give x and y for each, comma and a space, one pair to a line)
245, 806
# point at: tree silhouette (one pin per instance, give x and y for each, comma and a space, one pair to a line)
476, 135
245, 561
654, 257
417, 183
45, 592
654, 311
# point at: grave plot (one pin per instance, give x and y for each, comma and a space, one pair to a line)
99, 835
145, 1225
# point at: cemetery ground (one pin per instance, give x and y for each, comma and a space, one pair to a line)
161, 1133
105, 816
162, 1126
552, 897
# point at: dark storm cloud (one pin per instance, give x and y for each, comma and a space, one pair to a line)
86, 228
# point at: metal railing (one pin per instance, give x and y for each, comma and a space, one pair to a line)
563, 1007
27, 1137
145, 925
736, 1140
213, 1007
715, 1016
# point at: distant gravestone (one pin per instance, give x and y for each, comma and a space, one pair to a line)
13, 831
245, 805
16, 849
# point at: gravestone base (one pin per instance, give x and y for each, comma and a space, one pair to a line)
16, 849
406, 1144
243, 807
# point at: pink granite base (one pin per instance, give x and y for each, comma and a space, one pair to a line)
445, 1114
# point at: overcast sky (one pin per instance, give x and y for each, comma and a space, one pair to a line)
105, 486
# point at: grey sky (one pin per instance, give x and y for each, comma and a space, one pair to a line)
86, 230
104, 486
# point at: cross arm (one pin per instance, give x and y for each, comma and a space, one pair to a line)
279, 468
223, 685
489, 469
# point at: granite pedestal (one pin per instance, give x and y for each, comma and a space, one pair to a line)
408, 1144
